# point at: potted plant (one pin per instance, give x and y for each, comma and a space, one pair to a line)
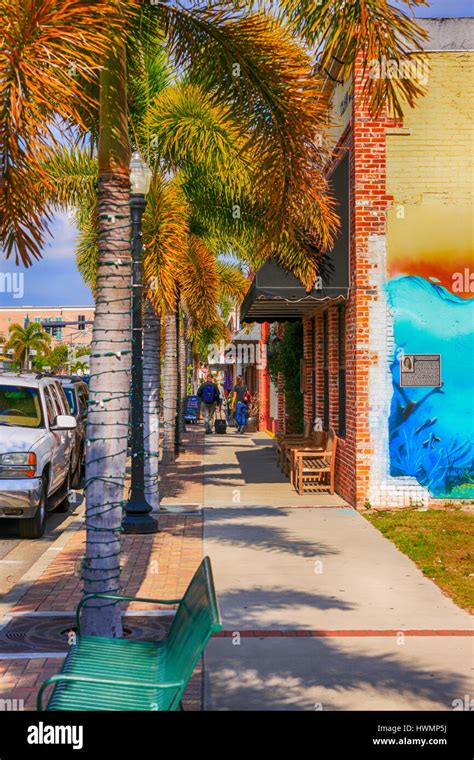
253, 415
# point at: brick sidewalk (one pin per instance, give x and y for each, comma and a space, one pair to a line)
159, 565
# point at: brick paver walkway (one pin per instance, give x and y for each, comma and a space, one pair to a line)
159, 565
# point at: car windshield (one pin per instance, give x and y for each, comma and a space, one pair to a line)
71, 399
20, 406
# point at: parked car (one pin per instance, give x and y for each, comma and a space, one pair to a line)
36, 443
77, 394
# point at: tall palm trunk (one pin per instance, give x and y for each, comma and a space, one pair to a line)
151, 401
110, 362
170, 389
183, 373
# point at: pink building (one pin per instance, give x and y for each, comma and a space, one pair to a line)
70, 325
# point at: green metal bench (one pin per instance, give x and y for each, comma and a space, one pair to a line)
121, 674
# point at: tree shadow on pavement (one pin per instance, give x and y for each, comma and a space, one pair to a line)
295, 673
220, 529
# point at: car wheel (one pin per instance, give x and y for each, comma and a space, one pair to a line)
34, 526
76, 480
63, 505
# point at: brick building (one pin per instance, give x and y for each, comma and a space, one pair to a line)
389, 363
70, 325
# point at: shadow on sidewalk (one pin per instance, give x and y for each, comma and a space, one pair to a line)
297, 673
261, 599
221, 529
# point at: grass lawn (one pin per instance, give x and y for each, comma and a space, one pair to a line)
439, 541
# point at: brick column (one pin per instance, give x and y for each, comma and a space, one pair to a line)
333, 370
369, 203
263, 381
319, 367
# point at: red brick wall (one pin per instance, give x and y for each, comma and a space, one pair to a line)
365, 141
333, 369
319, 366
369, 203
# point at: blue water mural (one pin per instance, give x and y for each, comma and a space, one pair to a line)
431, 430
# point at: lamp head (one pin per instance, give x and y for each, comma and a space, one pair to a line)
140, 175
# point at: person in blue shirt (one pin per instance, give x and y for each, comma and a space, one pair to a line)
240, 399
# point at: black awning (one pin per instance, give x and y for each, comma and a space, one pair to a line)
276, 295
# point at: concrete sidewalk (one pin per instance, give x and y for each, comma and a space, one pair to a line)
320, 610
241, 469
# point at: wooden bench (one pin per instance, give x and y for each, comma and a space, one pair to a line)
122, 674
284, 440
316, 443
314, 471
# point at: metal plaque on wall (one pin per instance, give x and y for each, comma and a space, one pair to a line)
420, 370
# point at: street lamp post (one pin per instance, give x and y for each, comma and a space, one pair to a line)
137, 517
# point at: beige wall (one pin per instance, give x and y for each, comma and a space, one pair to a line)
430, 173
69, 335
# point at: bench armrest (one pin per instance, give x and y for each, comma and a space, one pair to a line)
97, 679
305, 443
118, 598
314, 449
302, 453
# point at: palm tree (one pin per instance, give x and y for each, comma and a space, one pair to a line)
183, 353
79, 368
202, 281
22, 340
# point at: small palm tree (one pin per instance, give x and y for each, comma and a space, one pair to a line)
22, 340
79, 368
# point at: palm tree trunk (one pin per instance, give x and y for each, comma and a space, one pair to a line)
183, 372
151, 401
110, 362
170, 389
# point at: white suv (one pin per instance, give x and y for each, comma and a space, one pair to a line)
36, 441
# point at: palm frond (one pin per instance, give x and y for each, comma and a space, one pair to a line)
199, 281
232, 281
202, 338
48, 49
87, 241
73, 175
149, 73
372, 30
165, 236
189, 126
253, 62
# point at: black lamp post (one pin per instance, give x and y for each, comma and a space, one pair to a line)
137, 517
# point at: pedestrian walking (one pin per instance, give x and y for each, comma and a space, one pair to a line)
240, 400
208, 392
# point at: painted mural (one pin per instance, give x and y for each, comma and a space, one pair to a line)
432, 429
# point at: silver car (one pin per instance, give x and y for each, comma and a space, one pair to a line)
36, 443
77, 394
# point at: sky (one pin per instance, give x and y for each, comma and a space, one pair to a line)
55, 281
